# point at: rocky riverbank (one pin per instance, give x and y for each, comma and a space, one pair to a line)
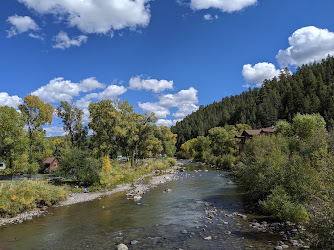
135, 190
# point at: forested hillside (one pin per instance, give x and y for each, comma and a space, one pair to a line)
309, 90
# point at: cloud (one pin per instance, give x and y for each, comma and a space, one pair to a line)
185, 96
259, 72
54, 131
159, 111
111, 92
20, 24
10, 101
184, 100
99, 16
307, 44
224, 5
64, 42
150, 84
185, 110
166, 122
207, 17
36, 36
59, 89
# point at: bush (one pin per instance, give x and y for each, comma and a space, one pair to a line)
278, 203
78, 163
225, 162
25, 195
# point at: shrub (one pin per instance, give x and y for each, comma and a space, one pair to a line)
225, 162
280, 204
21, 196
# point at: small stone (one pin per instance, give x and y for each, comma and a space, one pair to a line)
122, 247
284, 246
133, 242
103, 207
137, 197
228, 232
225, 223
278, 248
208, 238
184, 231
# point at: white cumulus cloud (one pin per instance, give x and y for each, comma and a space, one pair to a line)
59, 89
20, 24
98, 16
185, 96
184, 100
10, 101
150, 84
159, 111
307, 44
111, 92
63, 41
185, 110
223, 5
259, 72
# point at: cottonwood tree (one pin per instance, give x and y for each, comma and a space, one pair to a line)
12, 137
72, 120
37, 113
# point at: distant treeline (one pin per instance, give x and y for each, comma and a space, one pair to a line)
309, 90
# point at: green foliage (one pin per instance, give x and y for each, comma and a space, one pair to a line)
25, 195
13, 142
79, 164
279, 204
37, 113
72, 120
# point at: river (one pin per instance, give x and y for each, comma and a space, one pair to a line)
161, 220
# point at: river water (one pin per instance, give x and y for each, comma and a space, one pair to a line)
161, 220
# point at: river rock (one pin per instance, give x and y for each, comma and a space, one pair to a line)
137, 197
284, 246
208, 238
184, 231
229, 182
168, 190
278, 248
133, 242
122, 247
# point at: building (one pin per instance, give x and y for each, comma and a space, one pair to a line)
249, 133
50, 164
2, 165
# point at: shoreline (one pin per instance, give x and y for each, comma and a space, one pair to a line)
135, 190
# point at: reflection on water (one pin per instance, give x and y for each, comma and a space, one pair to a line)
156, 222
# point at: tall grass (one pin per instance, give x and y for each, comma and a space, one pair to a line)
124, 173
21, 196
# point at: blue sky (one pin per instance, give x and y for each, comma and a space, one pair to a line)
165, 56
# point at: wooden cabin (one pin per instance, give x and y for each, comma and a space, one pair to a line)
249, 133
50, 164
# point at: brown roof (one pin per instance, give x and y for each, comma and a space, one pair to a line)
252, 131
49, 160
269, 130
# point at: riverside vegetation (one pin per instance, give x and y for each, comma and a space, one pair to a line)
290, 175
88, 161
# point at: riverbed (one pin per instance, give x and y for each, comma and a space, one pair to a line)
199, 209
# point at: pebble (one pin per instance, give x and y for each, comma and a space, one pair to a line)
208, 238
133, 242
122, 247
